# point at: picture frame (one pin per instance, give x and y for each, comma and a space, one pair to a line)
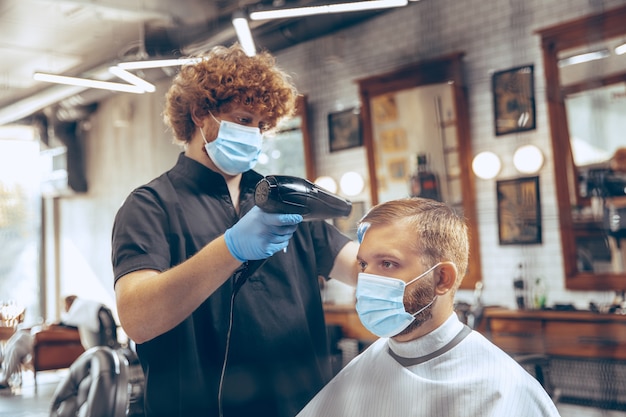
519, 211
398, 169
344, 129
514, 100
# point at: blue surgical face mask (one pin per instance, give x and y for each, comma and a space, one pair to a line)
236, 148
380, 303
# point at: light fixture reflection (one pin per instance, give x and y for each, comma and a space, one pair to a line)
327, 183
351, 183
528, 159
486, 165
581, 58
263, 158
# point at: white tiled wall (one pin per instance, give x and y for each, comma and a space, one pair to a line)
495, 35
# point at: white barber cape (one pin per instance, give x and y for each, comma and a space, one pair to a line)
83, 314
470, 377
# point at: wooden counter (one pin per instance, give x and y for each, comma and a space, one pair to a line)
578, 334
347, 317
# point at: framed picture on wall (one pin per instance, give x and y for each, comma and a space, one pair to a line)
344, 129
514, 100
519, 211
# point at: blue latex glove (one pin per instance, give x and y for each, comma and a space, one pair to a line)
258, 235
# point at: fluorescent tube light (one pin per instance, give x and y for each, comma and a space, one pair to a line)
34, 103
589, 56
158, 63
620, 50
133, 79
326, 9
243, 33
84, 82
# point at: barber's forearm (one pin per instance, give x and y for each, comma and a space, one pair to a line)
150, 303
345, 268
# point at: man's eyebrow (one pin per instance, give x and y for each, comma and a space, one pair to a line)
382, 255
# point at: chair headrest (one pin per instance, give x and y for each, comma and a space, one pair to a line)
91, 387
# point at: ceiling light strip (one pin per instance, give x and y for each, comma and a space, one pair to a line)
326, 9
242, 28
158, 63
133, 79
85, 82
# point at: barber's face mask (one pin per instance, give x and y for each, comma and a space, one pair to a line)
236, 148
380, 303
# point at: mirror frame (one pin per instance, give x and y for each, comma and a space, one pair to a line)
555, 39
307, 146
441, 70
300, 112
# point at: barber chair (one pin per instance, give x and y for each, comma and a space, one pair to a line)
538, 365
107, 333
57, 347
102, 382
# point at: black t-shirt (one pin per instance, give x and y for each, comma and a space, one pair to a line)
278, 354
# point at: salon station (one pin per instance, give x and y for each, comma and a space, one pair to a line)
510, 112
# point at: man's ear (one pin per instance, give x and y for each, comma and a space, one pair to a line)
446, 275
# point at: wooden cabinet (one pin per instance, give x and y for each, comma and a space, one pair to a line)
516, 336
586, 351
574, 334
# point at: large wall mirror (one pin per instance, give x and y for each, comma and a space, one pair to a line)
288, 151
416, 119
585, 69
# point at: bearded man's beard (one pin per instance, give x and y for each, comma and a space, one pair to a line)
416, 300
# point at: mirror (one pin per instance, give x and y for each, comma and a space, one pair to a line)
419, 113
288, 150
585, 72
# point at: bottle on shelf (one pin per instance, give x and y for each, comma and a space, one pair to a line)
423, 182
519, 286
540, 294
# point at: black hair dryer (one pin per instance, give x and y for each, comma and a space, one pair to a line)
293, 195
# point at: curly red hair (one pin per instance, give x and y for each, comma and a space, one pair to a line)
226, 77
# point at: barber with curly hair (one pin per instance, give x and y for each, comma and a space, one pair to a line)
180, 242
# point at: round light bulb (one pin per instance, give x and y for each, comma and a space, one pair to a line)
351, 183
486, 165
528, 159
327, 183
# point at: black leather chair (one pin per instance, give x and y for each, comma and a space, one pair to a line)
102, 382
538, 365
